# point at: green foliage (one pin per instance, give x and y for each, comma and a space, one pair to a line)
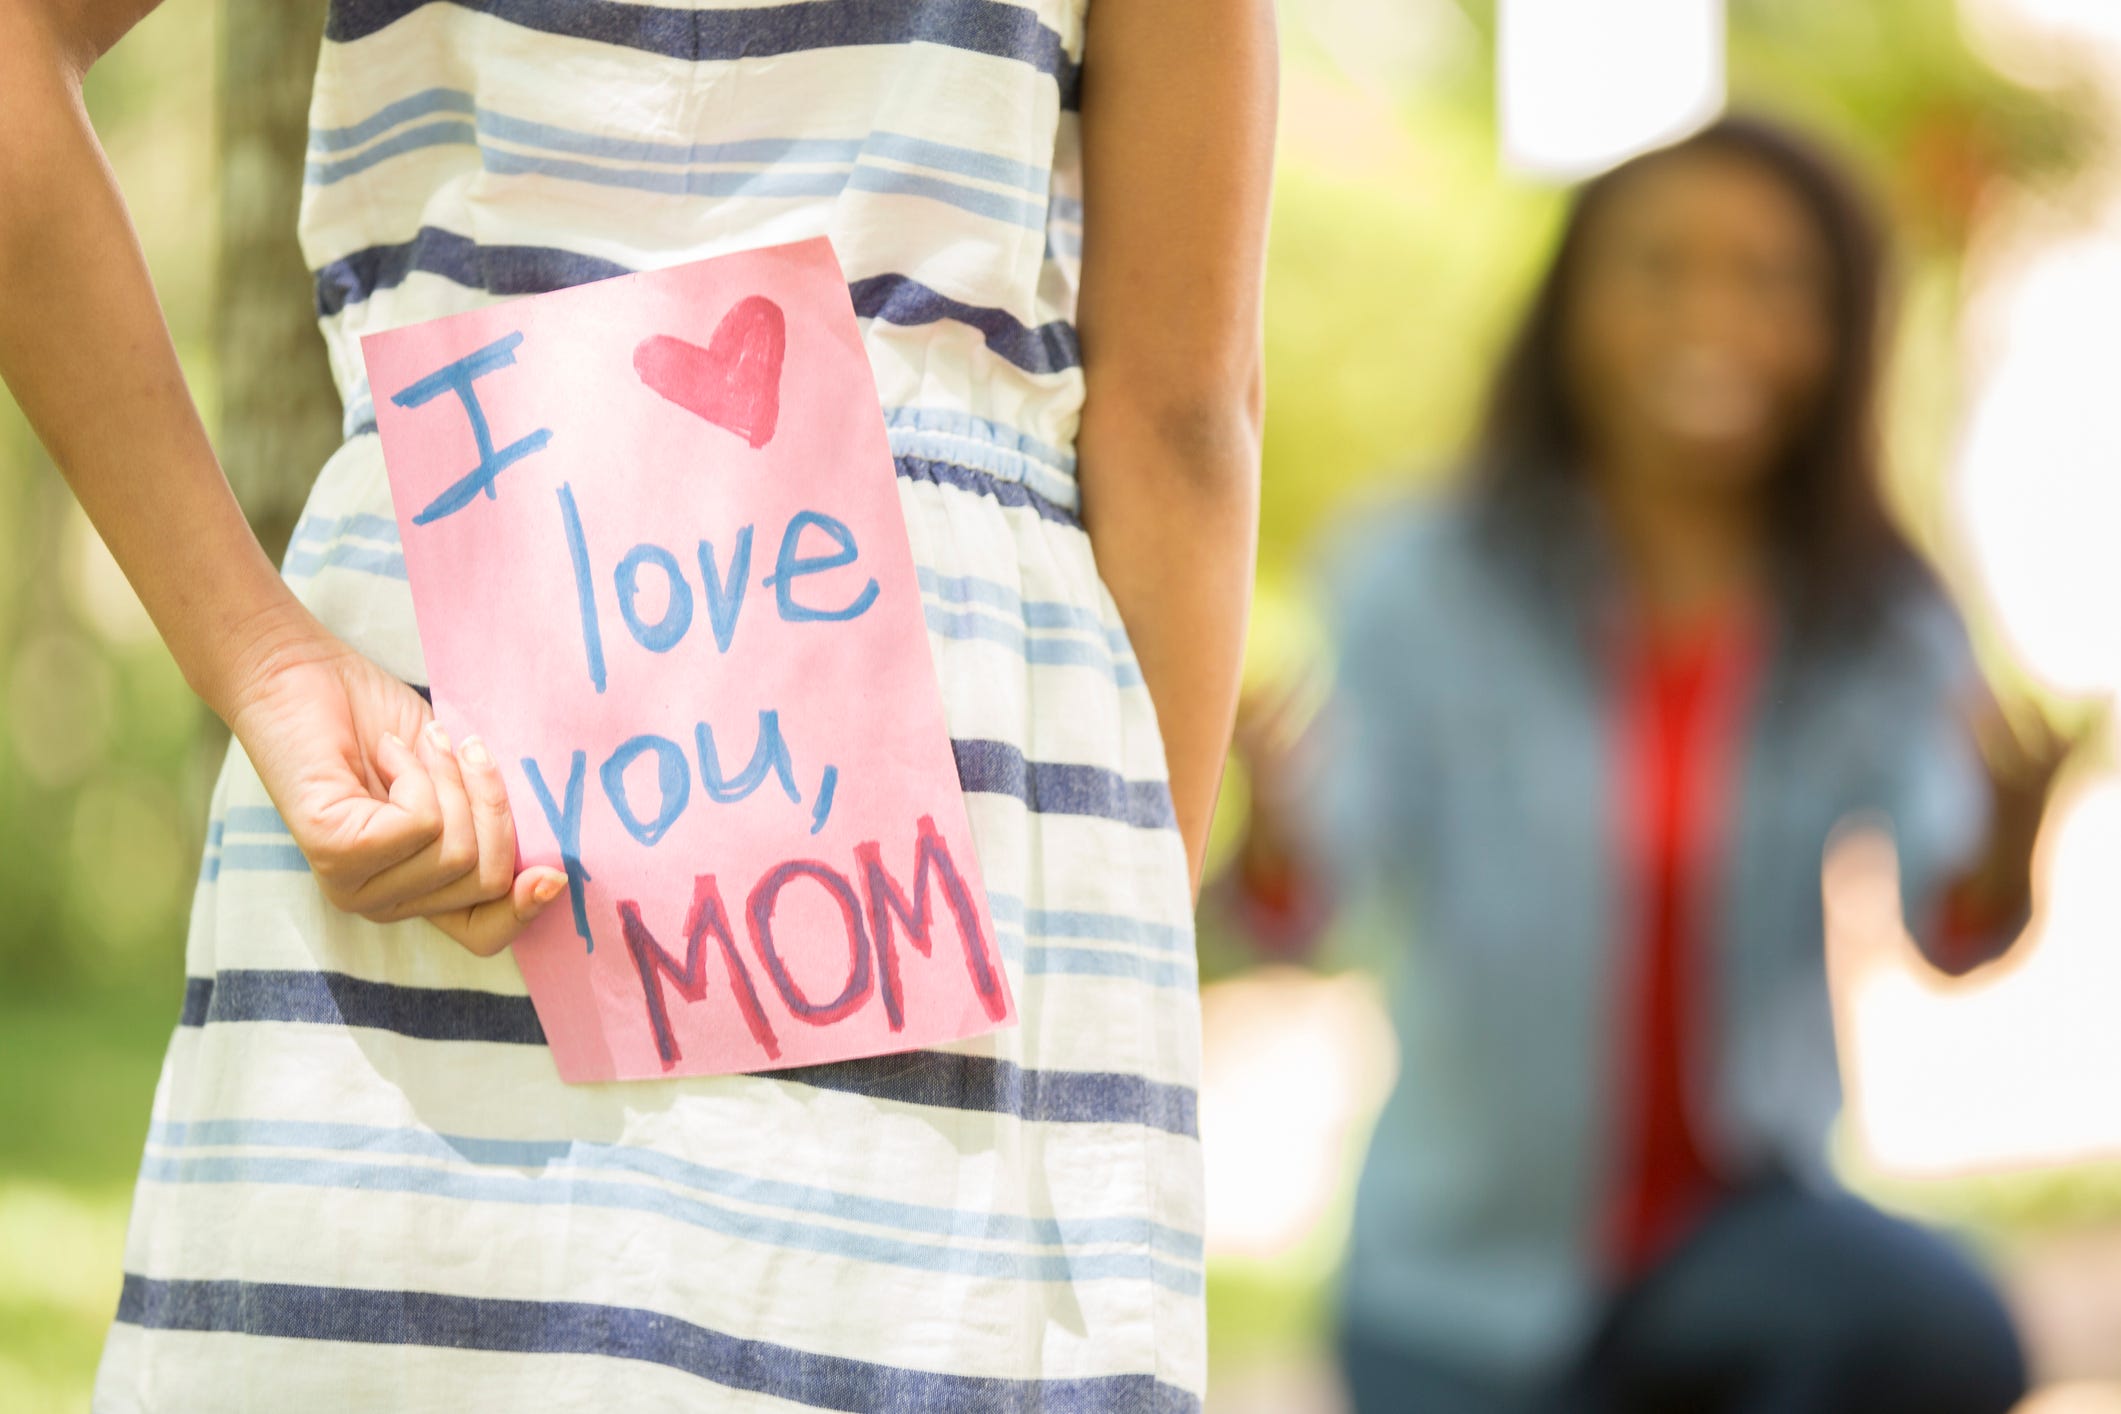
71, 1124
101, 750
1399, 254
1389, 287
1895, 82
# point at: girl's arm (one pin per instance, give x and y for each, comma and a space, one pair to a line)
86, 354
393, 821
1178, 133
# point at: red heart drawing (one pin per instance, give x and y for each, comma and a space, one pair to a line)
735, 382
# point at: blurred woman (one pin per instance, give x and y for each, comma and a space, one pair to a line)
1594, 723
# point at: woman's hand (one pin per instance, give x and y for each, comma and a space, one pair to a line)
1988, 906
2023, 753
395, 823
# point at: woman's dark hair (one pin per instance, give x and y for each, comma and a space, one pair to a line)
1838, 552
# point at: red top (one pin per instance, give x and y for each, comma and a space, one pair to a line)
1681, 702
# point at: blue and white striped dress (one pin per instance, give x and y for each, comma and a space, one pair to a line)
365, 1187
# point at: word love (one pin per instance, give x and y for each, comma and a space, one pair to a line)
723, 594
869, 920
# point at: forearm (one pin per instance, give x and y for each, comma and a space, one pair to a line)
1173, 519
87, 355
1178, 136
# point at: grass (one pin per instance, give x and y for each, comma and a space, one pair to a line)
80, 1079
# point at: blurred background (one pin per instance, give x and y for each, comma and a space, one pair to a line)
1424, 148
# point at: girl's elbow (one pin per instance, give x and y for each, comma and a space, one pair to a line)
1203, 436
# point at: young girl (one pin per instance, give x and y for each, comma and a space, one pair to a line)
365, 1186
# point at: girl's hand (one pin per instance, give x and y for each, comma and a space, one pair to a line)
394, 821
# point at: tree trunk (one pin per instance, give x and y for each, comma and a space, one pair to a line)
279, 411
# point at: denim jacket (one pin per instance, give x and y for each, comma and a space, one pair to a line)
1466, 800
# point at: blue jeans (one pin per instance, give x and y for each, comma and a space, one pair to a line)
1782, 1302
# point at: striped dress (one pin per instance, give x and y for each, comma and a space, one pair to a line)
365, 1187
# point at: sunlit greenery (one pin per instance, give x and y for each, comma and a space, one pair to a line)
1399, 250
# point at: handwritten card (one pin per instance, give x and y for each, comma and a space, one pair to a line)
658, 561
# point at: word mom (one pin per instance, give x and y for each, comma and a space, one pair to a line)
871, 919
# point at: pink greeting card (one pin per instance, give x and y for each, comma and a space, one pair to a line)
658, 561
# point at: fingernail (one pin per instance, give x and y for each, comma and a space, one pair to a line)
474, 751
393, 739
436, 737
548, 888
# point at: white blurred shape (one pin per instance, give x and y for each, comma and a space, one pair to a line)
2096, 20
2048, 42
2011, 1067
1294, 1066
1585, 85
2040, 465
